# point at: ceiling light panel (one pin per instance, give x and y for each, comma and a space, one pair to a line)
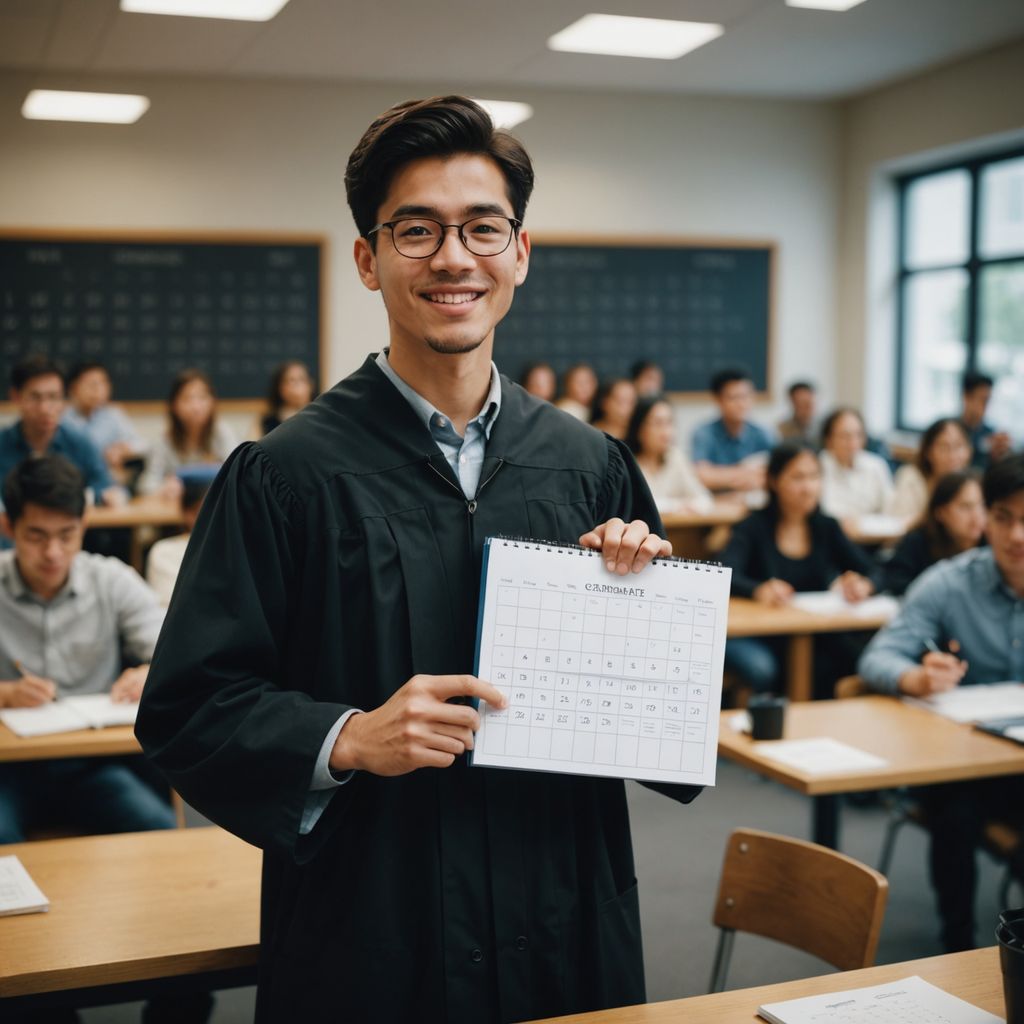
621, 36
506, 113
824, 5
101, 107
233, 10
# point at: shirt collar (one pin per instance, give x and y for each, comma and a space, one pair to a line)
991, 576
16, 586
428, 414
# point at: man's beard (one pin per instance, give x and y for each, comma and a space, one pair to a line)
454, 347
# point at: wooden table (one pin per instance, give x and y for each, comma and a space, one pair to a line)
132, 914
751, 618
147, 511
920, 748
688, 531
974, 977
114, 741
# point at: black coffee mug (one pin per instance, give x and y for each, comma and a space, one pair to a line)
1010, 936
767, 716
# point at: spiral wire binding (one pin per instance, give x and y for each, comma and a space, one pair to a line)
540, 545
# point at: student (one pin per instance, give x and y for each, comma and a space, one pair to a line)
194, 435
65, 618
326, 611
579, 386
648, 378
802, 424
539, 380
723, 449
962, 624
613, 406
854, 482
291, 389
954, 522
163, 563
91, 412
37, 392
987, 443
786, 548
671, 478
944, 448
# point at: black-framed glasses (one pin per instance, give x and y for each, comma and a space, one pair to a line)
420, 237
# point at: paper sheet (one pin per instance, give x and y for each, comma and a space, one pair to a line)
18, 893
976, 703
820, 756
91, 711
831, 602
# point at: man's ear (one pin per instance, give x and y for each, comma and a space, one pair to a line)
6, 526
522, 257
366, 264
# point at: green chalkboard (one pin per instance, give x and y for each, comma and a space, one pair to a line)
149, 306
692, 307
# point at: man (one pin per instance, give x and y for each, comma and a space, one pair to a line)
648, 378
91, 412
962, 624
723, 449
988, 444
325, 618
802, 425
65, 617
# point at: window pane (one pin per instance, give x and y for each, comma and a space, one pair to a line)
1002, 209
938, 208
933, 346
1001, 341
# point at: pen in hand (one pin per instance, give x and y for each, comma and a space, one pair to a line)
35, 689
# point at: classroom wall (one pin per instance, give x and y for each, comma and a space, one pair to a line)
225, 154
963, 107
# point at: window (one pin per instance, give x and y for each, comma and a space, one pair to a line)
961, 287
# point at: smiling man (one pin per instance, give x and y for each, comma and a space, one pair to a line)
310, 688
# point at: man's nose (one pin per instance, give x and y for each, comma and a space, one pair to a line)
452, 255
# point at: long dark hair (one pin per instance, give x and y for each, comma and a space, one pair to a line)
177, 432
946, 490
643, 408
779, 458
274, 399
924, 462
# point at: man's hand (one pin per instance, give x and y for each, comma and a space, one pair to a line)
415, 728
854, 587
626, 547
27, 692
774, 592
937, 672
127, 689
1000, 445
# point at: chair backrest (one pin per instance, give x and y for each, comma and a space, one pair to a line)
802, 894
849, 686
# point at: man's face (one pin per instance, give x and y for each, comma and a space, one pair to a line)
735, 400
40, 403
452, 300
976, 403
803, 404
1005, 531
45, 543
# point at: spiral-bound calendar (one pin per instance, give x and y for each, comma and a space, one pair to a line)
617, 676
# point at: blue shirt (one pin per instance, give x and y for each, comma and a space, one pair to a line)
964, 599
106, 426
713, 443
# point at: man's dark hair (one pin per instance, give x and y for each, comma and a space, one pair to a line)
641, 365
50, 481
799, 385
35, 364
723, 378
81, 369
972, 380
1003, 479
442, 126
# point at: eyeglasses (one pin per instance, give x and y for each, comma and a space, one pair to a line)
419, 237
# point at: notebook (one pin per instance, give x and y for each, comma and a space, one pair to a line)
1005, 728
615, 676
18, 893
92, 711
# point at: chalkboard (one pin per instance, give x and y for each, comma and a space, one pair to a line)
693, 308
149, 306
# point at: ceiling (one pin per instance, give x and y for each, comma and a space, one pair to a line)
768, 49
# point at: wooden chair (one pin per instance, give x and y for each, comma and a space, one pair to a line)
799, 893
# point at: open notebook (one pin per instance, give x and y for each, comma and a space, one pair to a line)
93, 711
18, 893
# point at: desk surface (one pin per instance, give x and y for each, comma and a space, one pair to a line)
721, 513
133, 907
751, 618
919, 746
115, 740
974, 977
150, 510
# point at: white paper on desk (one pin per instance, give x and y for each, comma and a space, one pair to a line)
831, 602
99, 710
820, 756
92, 711
875, 525
18, 893
909, 1001
981, 703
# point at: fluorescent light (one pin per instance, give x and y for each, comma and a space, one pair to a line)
825, 5
105, 107
634, 37
235, 10
506, 113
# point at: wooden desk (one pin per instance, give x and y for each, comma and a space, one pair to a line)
148, 511
114, 741
749, 618
920, 748
131, 909
688, 531
974, 977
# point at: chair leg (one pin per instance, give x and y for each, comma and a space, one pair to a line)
895, 823
723, 954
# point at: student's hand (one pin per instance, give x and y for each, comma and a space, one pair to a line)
27, 692
751, 478
937, 672
115, 497
774, 592
854, 587
171, 488
415, 728
127, 688
626, 547
999, 445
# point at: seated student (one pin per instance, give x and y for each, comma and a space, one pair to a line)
987, 443
91, 412
671, 478
648, 378
944, 448
722, 449
539, 379
953, 522
65, 618
962, 624
194, 435
802, 424
613, 406
788, 547
579, 385
854, 482
165, 557
291, 390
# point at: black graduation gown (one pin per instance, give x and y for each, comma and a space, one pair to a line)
332, 561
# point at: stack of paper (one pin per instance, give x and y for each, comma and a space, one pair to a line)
976, 703
18, 893
94, 711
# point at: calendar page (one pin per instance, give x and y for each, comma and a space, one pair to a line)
619, 676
